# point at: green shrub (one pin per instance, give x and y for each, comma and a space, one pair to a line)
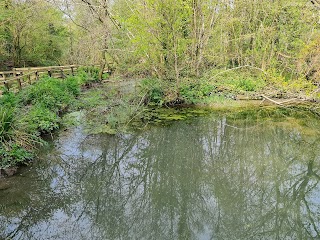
153, 90
82, 76
37, 107
47, 97
237, 81
9, 100
14, 156
51, 93
88, 74
246, 84
191, 91
72, 85
194, 92
12, 140
41, 119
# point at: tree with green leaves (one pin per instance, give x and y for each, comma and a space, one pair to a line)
32, 33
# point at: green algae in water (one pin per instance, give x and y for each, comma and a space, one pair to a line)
102, 129
164, 116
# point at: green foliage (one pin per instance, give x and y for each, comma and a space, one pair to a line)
247, 84
191, 91
9, 100
153, 90
33, 33
237, 81
195, 92
88, 74
12, 152
83, 76
48, 97
71, 85
51, 93
37, 107
14, 156
6, 125
286, 86
41, 119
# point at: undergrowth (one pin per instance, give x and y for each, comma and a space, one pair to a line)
220, 85
107, 110
38, 109
34, 111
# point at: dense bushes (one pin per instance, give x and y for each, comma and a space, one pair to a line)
218, 85
221, 84
153, 90
51, 93
34, 111
41, 119
164, 92
190, 91
89, 75
14, 156
195, 92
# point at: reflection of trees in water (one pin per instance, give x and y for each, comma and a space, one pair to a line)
259, 170
29, 202
203, 180
209, 179
155, 197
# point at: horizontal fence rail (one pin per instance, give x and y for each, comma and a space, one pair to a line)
18, 78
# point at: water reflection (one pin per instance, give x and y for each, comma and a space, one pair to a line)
213, 178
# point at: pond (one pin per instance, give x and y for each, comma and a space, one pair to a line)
214, 176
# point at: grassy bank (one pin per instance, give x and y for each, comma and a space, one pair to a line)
218, 86
35, 111
112, 108
108, 108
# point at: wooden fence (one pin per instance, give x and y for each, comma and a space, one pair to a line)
18, 78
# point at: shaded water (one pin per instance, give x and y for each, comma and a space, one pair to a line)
211, 177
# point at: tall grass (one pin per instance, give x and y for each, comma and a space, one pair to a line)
6, 125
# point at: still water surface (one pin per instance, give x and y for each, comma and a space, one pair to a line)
211, 177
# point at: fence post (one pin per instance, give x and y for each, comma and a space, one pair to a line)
6, 85
19, 83
72, 71
37, 75
62, 74
29, 79
20, 77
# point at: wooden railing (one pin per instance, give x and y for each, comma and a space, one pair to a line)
18, 78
